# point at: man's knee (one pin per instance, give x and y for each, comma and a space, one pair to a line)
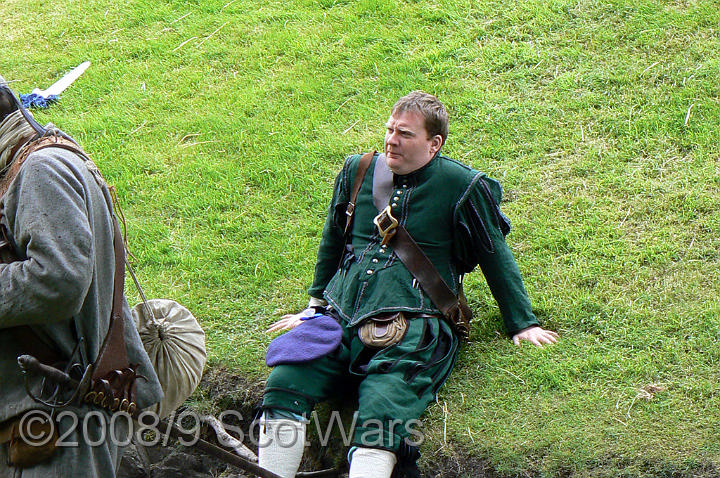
281, 392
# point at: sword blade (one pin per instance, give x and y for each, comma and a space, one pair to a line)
62, 84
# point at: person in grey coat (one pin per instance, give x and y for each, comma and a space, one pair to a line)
56, 296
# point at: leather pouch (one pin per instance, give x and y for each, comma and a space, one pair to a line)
31, 441
460, 316
383, 331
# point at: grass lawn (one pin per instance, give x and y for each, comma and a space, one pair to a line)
223, 123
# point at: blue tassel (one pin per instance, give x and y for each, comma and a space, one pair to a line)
33, 100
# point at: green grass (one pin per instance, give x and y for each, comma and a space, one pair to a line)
223, 123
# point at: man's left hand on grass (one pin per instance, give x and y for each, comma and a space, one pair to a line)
537, 336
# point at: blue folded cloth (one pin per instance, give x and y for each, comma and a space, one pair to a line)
33, 100
314, 338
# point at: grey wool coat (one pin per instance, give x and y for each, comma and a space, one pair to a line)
57, 216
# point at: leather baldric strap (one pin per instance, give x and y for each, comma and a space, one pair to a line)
363, 166
454, 307
113, 353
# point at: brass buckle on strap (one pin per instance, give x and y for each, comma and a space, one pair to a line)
386, 224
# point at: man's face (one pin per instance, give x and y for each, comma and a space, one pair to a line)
407, 145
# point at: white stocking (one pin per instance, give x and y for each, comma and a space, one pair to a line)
281, 445
372, 463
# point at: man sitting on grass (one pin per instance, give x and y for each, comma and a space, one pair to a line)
397, 341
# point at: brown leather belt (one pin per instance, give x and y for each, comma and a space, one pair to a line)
454, 307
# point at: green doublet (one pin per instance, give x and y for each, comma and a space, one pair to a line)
452, 213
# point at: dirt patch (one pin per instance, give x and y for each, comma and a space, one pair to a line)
221, 391
454, 463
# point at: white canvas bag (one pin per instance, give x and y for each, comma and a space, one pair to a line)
175, 343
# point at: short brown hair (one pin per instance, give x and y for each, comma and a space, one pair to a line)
434, 112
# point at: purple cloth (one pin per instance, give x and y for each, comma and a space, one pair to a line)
314, 338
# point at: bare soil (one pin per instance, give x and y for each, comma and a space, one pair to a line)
222, 390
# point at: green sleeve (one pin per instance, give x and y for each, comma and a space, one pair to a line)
332, 243
481, 241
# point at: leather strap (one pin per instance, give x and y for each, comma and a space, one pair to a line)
363, 166
422, 268
11, 173
454, 307
113, 353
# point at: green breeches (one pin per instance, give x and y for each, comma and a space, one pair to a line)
395, 384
